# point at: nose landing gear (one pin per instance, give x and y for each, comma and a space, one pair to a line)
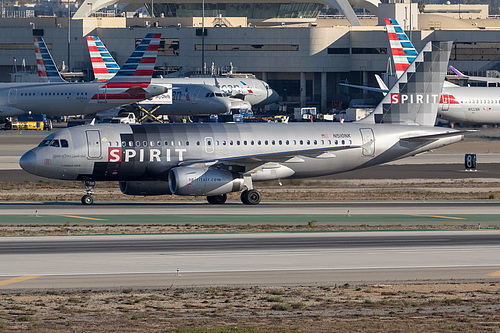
87, 199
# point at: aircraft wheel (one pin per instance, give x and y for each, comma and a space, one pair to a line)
87, 199
217, 199
251, 197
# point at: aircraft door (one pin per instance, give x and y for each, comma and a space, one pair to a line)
12, 96
368, 141
209, 144
101, 95
445, 100
193, 96
93, 144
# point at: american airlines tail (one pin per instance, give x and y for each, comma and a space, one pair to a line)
403, 51
135, 75
103, 64
47, 70
414, 99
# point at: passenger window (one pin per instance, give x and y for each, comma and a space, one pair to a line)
124, 144
197, 143
287, 142
245, 142
301, 142
152, 143
252, 142
231, 142
130, 143
315, 142
266, 142
145, 143
273, 142
308, 142
187, 143
259, 142
280, 142
166, 143
238, 142
137, 143
159, 143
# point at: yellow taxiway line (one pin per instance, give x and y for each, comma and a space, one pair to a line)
440, 217
497, 273
82, 217
19, 279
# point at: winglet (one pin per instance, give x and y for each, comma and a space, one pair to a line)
103, 64
456, 71
47, 70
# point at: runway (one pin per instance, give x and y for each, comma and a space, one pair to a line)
170, 211
264, 258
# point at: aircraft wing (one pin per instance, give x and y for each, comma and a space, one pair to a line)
255, 160
383, 91
422, 138
474, 78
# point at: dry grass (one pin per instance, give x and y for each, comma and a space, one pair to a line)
470, 307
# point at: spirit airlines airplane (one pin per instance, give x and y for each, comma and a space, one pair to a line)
473, 105
215, 159
241, 90
131, 84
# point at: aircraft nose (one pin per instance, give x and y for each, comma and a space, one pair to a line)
273, 96
28, 162
226, 104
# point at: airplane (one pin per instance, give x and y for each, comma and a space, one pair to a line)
215, 159
252, 91
181, 99
474, 78
130, 84
472, 105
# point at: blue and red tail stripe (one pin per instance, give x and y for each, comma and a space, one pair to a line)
47, 70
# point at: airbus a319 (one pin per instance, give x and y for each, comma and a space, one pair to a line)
215, 159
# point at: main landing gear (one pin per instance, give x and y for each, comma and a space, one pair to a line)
87, 199
249, 196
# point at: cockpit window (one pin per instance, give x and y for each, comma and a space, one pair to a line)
219, 95
51, 143
64, 143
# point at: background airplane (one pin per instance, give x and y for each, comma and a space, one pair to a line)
475, 78
473, 105
181, 99
250, 91
130, 84
215, 159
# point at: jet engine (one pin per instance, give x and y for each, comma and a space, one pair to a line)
202, 181
148, 187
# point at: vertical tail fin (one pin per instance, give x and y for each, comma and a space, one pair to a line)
414, 99
47, 70
138, 69
403, 51
103, 64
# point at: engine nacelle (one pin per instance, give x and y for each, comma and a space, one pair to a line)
202, 181
149, 187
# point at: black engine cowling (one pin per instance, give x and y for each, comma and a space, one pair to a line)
202, 181
149, 187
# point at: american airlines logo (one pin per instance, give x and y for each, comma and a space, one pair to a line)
397, 98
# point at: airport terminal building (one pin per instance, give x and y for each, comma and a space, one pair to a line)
302, 55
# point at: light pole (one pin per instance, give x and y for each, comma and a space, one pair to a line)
90, 4
69, 37
203, 37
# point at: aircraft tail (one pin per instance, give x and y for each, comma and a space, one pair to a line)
138, 69
415, 97
103, 64
47, 70
403, 51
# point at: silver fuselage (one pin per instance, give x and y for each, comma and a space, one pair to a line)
252, 90
63, 99
149, 151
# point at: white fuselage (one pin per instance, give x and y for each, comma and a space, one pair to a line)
473, 105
